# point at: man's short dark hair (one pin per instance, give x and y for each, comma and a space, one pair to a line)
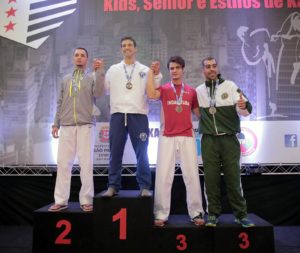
176, 59
209, 58
128, 38
82, 48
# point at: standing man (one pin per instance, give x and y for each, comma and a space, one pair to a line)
126, 83
75, 120
221, 102
178, 102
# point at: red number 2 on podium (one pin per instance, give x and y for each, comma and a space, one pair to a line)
61, 239
122, 216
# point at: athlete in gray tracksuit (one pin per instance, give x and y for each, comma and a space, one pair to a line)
75, 121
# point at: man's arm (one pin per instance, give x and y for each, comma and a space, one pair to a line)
196, 111
56, 123
98, 76
151, 91
243, 106
155, 66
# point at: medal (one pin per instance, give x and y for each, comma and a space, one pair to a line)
129, 85
77, 77
178, 108
212, 98
212, 110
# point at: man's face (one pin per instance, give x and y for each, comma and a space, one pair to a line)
176, 71
127, 48
210, 69
80, 58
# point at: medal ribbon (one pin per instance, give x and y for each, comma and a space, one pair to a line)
212, 96
178, 100
128, 77
76, 81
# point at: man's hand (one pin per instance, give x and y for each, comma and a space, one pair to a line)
241, 102
98, 64
155, 66
54, 132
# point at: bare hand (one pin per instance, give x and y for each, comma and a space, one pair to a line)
155, 66
54, 132
241, 102
98, 64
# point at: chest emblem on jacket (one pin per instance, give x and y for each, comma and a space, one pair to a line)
142, 74
224, 95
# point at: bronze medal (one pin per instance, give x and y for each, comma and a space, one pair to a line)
178, 108
129, 85
212, 110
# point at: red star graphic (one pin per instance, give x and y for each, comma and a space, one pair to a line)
11, 12
10, 26
12, 1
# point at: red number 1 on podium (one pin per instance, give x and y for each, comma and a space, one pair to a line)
122, 216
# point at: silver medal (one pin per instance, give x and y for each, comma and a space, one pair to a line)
212, 110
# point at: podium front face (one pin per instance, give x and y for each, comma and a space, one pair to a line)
181, 235
233, 238
123, 223
67, 231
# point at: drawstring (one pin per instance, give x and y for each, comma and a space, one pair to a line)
125, 119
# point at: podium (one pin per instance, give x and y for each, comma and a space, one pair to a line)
68, 231
230, 237
124, 223
181, 235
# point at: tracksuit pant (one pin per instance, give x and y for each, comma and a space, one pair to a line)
217, 151
137, 126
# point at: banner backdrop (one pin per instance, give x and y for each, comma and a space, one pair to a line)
256, 43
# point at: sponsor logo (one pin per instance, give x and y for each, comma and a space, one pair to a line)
248, 141
31, 22
104, 134
290, 140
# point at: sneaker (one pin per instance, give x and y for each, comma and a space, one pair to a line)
57, 208
159, 223
145, 193
110, 192
198, 220
87, 207
245, 222
212, 221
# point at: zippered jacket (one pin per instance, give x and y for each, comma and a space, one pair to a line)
77, 97
226, 118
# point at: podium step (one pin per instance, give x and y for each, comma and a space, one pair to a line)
61, 232
123, 223
181, 235
231, 237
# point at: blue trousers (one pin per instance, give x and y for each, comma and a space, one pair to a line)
137, 127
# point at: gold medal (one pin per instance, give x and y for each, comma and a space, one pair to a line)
212, 110
178, 108
129, 85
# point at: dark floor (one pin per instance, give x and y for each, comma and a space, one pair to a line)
18, 239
